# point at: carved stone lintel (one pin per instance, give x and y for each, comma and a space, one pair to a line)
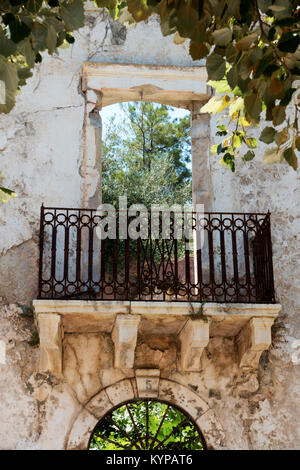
147, 381
124, 336
194, 337
51, 334
252, 340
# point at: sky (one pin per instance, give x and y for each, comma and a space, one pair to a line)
108, 111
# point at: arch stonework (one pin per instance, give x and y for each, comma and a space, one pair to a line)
125, 390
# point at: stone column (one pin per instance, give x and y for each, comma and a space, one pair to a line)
200, 134
51, 334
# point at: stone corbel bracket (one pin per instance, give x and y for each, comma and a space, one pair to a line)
51, 335
253, 339
124, 336
194, 337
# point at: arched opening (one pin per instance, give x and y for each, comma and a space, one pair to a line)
146, 424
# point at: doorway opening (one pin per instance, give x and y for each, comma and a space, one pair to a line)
146, 154
145, 425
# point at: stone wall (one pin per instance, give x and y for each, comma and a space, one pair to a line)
41, 143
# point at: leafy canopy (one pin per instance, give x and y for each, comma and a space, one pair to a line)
136, 426
252, 51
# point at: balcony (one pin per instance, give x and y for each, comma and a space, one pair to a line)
232, 264
210, 276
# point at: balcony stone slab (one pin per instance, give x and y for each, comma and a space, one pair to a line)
192, 323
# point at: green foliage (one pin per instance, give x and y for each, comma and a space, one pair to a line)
6, 194
27, 311
120, 431
27, 29
146, 157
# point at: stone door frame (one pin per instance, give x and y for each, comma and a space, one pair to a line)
184, 87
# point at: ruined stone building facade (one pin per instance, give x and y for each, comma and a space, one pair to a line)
228, 368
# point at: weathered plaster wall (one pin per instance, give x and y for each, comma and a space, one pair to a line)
256, 187
41, 143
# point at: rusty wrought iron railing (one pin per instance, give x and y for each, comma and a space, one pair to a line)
233, 264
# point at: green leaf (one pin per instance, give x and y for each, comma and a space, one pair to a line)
229, 160
221, 86
72, 14
233, 77
287, 97
7, 47
51, 39
187, 19
213, 149
8, 75
237, 141
216, 66
6, 194
23, 74
291, 158
263, 64
278, 114
289, 42
222, 36
251, 142
33, 5
18, 29
140, 10
236, 106
25, 48
248, 156
276, 8
219, 149
297, 143
39, 34
272, 155
253, 106
282, 137
267, 135
263, 5
198, 51
246, 42
213, 105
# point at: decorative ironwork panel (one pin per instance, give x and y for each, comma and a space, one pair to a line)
230, 262
146, 425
